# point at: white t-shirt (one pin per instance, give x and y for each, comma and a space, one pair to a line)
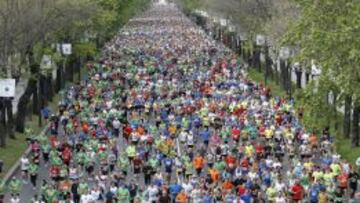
190, 139
14, 200
86, 198
187, 187
153, 192
24, 163
116, 124
95, 195
196, 196
279, 186
183, 136
280, 200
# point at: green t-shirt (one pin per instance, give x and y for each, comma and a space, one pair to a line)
15, 186
33, 169
131, 151
271, 193
123, 195
83, 188
51, 195
220, 165
123, 163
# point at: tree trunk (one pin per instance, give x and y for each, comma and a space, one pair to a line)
256, 58
23, 104
2, 124
80, 67
71, 70
42, 97
50, 88
288, 78
355, 128
307, 78
239, 48
298, 78
59, 76
283, 73
10, 118
64, 75
267, 64
35, 99
347, 116
336, 125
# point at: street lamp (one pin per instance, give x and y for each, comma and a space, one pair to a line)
7, 93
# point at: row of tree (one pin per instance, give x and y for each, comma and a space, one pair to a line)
324, 31
30, 29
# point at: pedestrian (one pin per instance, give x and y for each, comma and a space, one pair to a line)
33, 171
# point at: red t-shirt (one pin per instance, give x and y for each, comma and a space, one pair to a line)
297, 191
241, 190
230, 161
127, 131
235, 133
259, 149
342, 179
245, 163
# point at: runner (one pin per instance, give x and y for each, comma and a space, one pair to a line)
168, 114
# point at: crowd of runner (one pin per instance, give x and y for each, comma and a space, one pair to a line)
168, 115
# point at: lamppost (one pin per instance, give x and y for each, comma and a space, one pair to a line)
7, 93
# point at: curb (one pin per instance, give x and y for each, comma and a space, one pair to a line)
16, 166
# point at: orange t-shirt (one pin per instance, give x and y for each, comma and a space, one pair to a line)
198, 162
342, 179
181, 197
313, 140
172, 129
215, 175
169, 142
140, 130
227, 185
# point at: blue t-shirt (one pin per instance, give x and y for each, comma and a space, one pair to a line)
314, 193
175, 189
168, 164
229, 198
45, 112
208, 199
205, 135
246, 197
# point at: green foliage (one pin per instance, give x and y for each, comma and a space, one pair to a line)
85, 49
328, 32
190, 5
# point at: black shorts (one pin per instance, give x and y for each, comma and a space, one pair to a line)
90, 169
137, 170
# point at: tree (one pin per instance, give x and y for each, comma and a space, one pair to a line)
328, 33
29, 28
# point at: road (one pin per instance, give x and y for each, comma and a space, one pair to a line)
161, 57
